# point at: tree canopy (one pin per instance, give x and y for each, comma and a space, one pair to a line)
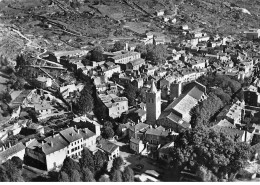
117, 163
210, 150
128, 175
97, 54
85, 102
118, 46
86, 160
202, 114
156, 54
116, 176
108, 133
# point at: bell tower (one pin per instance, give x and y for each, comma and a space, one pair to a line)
153, 104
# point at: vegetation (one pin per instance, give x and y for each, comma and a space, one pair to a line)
97, 54
202, 114
11, 171
118, 46
88, 169
205, 151
85, 102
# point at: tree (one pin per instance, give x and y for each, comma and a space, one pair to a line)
117, 163
131, 93
118, 46
75, 176
108, 132
157, 54
97, 54
87, 175
108, 124
116, 176
17, 162
141, 48
69, 165
128, 175
104, 178
3, 175
20, 62
99, 162
211, 150
85, 102
63, 177
5, 97
18, 85
13, 173
86, 160
202, 114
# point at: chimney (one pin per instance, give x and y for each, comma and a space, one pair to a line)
42, 142
51, 144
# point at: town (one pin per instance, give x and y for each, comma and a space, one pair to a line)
146, 109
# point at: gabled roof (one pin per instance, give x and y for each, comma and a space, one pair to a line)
86, 133
11, 151
138, 127
107, 146
70, 135
136, 141
166, 148
226, 123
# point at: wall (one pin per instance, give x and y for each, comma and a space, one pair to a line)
56, 158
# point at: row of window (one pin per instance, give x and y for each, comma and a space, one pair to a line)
75, 149
77, 142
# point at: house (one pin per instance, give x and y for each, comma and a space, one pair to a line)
137, 145
137, 131
73, 53
43, 82
138, 82
156, 136
43, 109
125, 57
251, 96
252, 34
23, 98
108, 72
110, 149
233, 113
160, 13
17, 150
114, 105
135, 64
164, 152
89, 137
50, 153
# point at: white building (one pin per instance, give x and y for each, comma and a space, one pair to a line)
153, 104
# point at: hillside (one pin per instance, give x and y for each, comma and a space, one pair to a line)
67, 24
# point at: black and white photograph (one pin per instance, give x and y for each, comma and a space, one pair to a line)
130, 91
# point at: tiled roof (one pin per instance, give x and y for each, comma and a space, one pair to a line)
70, 134
166, 148
107, 146
138, 127
86, 133
226, 123
136, 141
137, 61
11, 151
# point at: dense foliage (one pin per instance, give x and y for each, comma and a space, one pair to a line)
205, 149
